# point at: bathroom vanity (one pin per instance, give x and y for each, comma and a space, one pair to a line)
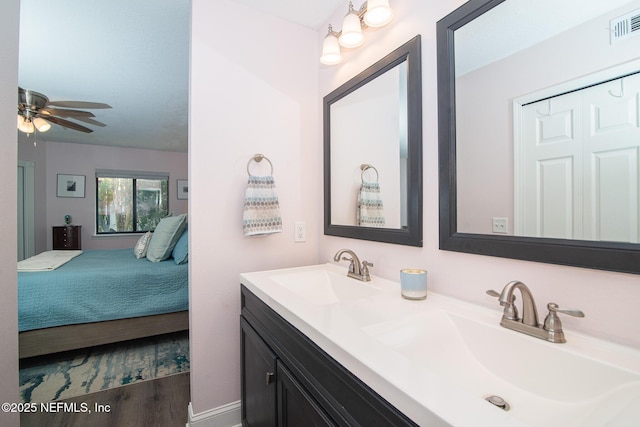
320, 348
289, 380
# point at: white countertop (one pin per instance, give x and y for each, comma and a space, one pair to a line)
437, 359
337, 328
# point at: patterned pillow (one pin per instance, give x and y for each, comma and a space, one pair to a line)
140, 250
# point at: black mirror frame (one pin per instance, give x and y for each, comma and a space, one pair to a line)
622, 257
412, 234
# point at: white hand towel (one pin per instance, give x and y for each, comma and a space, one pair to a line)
370, 212
261, 208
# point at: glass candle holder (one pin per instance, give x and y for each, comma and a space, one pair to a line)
413, 283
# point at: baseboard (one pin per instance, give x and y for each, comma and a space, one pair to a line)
228, 415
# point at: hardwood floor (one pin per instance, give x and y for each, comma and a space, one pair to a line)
162, 402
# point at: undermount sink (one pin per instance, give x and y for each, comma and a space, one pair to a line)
323, 286
574, 384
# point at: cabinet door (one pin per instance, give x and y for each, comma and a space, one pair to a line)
258, 370
295, 406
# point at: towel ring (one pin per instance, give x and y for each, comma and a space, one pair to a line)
258, 158
364, 167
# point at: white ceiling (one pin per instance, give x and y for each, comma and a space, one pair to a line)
308, 13
518, 24
130, 54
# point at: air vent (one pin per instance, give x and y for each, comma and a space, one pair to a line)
625, 26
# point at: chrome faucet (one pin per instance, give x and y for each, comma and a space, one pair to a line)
551, 330
356, 270
529, 311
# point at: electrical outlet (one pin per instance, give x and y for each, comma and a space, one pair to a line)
300, 232
500, 225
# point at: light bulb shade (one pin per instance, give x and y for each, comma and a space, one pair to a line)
378, 13
331, 50
41, 124
25, 125
351, 30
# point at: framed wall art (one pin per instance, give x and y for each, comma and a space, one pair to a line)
183, 189
70, 185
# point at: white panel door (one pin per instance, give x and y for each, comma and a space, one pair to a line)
612, 145
580, 164
552, 168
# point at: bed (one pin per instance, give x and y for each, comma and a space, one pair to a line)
100, 297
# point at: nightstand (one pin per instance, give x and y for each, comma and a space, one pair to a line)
67, 237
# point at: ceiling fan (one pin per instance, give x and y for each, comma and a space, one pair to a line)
36, 112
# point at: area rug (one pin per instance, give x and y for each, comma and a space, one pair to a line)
72, 374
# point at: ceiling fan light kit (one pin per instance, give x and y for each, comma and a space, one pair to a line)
372, 13
37, 112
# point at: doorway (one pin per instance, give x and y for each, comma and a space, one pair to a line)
26, 214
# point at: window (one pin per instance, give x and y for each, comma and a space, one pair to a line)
130, 202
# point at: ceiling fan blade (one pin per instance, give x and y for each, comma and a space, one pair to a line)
66, 113
90, 121
79, 104
66, 123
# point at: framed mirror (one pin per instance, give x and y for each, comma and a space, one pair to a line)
539, 132
373, 152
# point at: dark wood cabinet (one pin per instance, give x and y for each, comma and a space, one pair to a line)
311, 388
296, 407
258, 379
67, 237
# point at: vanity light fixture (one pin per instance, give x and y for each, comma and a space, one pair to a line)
351, 29
372, 13
378, 13
331, 49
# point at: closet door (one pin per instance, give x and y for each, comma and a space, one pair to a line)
552, 168
580, 165
611, 115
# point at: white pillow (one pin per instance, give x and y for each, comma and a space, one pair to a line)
140, 250
165, 237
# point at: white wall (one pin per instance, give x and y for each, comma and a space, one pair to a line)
9, 17
608, 299
253, 90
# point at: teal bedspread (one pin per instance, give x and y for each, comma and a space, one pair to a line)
101, 285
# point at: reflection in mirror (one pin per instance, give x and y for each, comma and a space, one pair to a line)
373, 173
540, 131
369, 127
573, 143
